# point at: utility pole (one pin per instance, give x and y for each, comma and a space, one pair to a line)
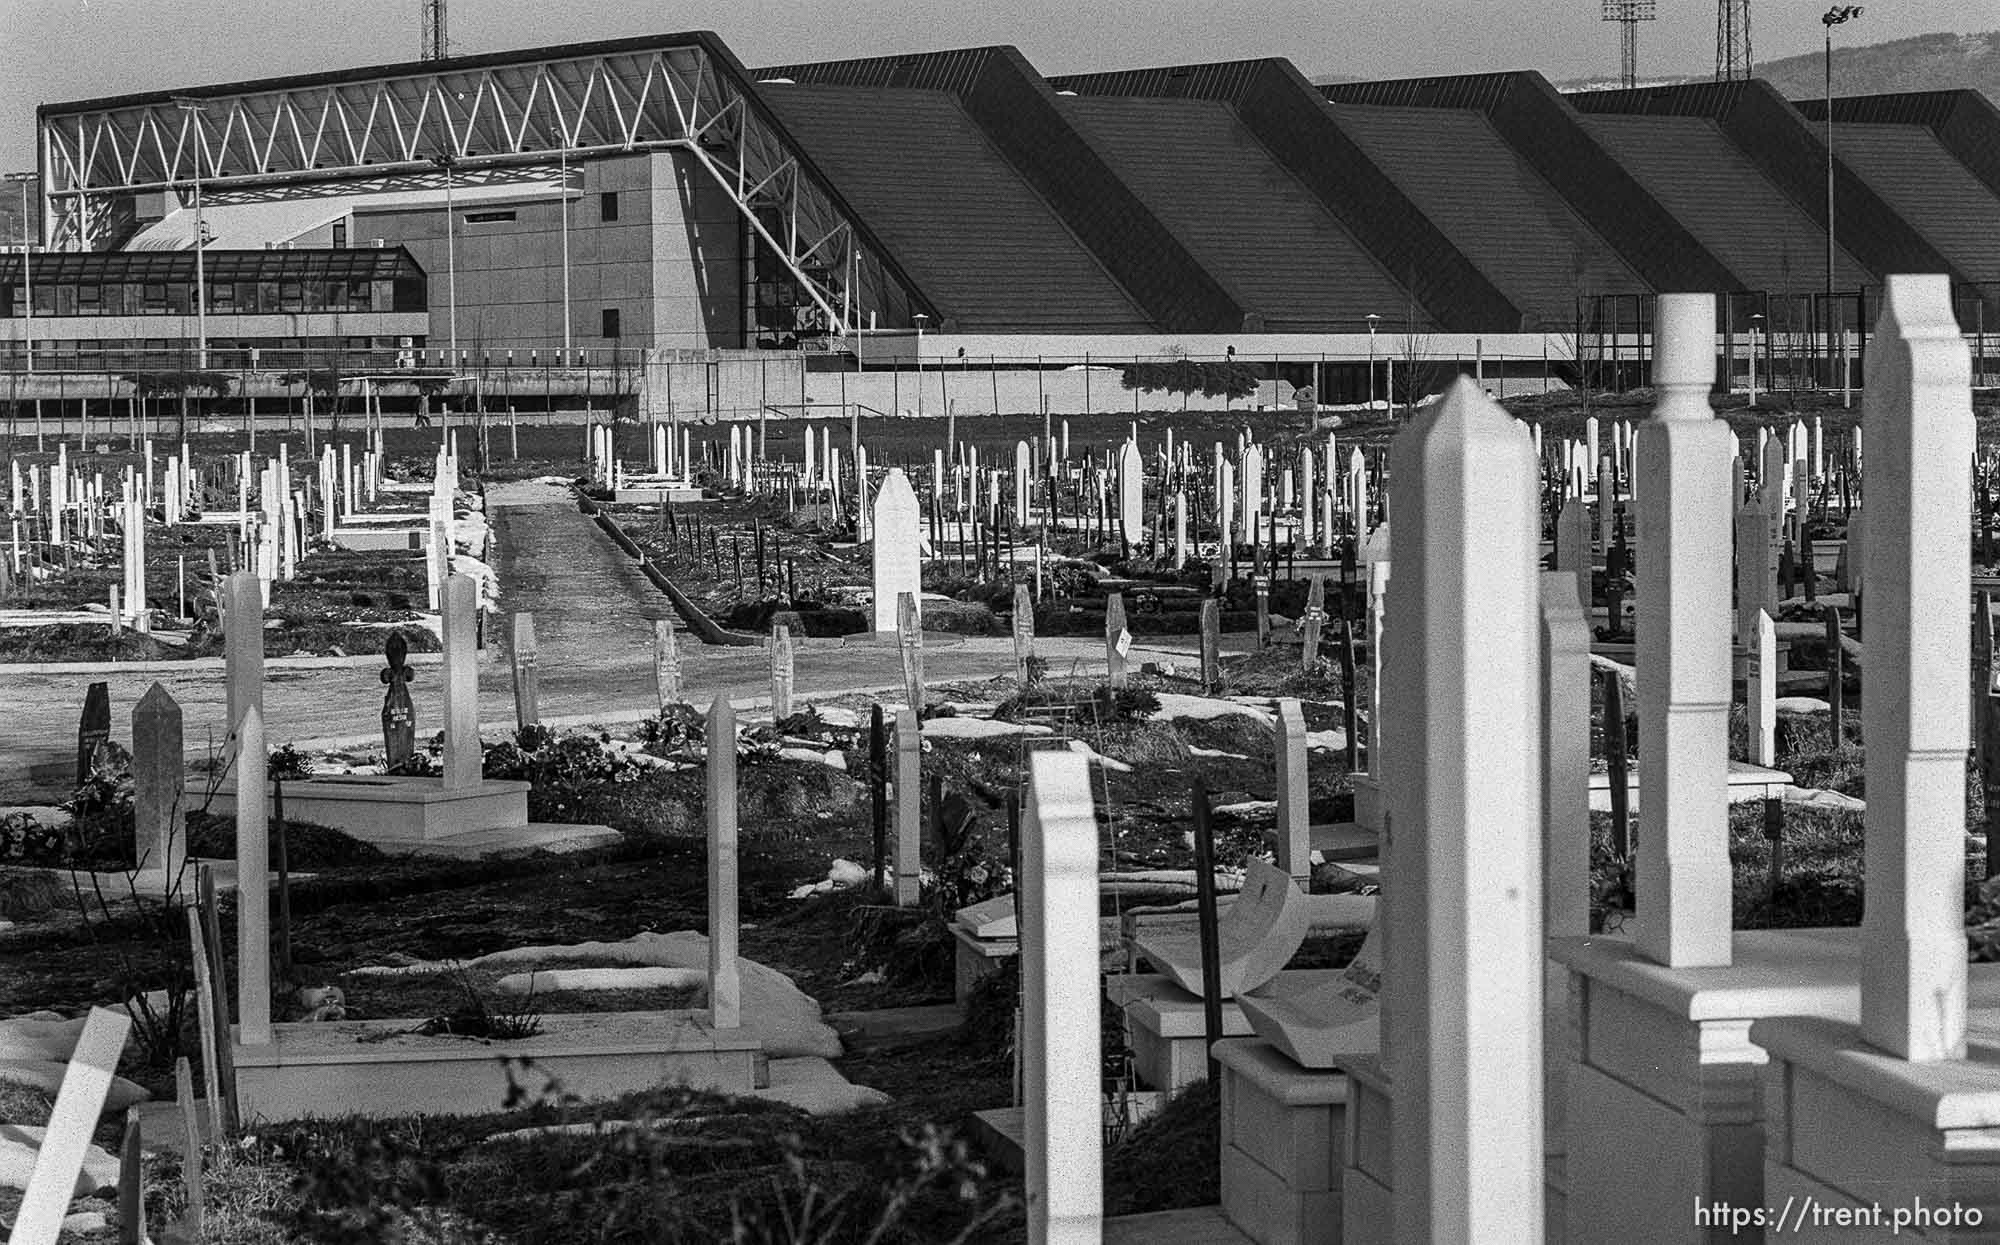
1839, 14
194, 109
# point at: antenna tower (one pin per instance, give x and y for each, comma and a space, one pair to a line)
1732, 40
1628, 14
436, 45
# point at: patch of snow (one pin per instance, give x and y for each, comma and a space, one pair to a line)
1248, 808
1814, 797
1333, 739
1197, 751
979, 728
832, 760
1178, 706
647, 977
1803, 704
1089, 753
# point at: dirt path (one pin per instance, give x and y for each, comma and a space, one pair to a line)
593, 622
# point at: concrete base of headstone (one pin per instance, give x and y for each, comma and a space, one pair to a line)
1344, 840
1284, 1132
399, 814
404, 533
377, 1068
1368, 1172
1665, 1103
654, 494
978, 959
1747, 784
1369, 803
1001, 1132
1854, 1129
1166, 1028
1196, 1225
1325, 914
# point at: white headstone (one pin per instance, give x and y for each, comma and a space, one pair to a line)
725, 989
1061, 1038
1684, 879
1462, 1018
1918, 444
1294, 795
898, 535
462, 755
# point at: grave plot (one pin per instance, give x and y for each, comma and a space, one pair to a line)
119, 555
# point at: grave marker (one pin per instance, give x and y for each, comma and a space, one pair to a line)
462, 755
910, 640
1117, 639
666, 663
909, 802
897, 551
527, 681
1462, 1020
1315, 619
159, 784
725, 989
1061, 1038
1683, 650
1761, 696
85, 1085
781, 672
1916, 557
1565, 650
1211, 644
1024, 633
1294, 795
93, 730
399, 716
253, 892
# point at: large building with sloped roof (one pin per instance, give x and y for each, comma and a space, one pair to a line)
656, 194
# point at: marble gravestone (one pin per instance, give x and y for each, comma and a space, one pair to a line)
898, 554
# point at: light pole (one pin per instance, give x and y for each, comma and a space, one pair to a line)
1835, 16
194, 108
27, 277
1372, 319
1755, 319
562, 205
447, 162
919, 319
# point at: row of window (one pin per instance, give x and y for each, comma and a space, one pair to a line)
607, 210
176, 298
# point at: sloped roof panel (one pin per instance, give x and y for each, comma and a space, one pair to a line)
1907, 166
1215, 185
1687, 163
972, 234
1498, 210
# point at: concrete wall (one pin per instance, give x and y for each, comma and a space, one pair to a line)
669, 264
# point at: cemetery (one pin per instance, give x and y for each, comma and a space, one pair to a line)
1449, 823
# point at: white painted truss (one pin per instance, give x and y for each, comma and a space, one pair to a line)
482, 114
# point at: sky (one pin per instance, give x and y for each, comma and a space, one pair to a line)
59, 50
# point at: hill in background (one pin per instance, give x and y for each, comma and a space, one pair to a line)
1939, 62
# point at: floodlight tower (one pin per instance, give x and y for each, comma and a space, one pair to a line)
1628, 14
436, 45
1732, 40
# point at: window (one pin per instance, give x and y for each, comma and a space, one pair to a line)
611, 321
607, 206
488, 218
340, 234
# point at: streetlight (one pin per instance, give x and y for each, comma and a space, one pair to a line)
1372, 319
562, 205
1839, 14
919, 318
194, 108
27, 277
448, 162
1756, 318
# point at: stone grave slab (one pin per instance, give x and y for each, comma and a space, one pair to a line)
1256, 936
